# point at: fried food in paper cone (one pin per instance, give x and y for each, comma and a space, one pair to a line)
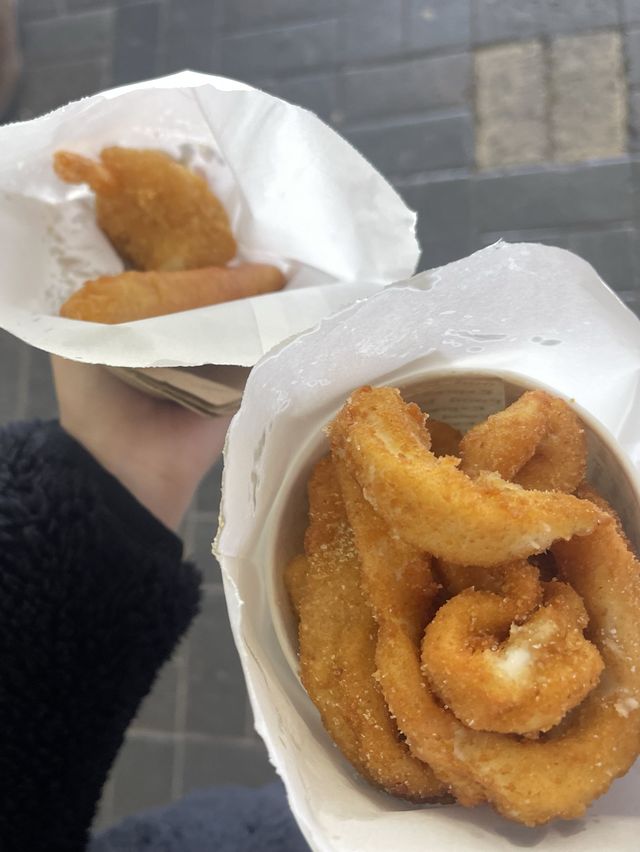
139, 295
337, 646
516, 690
432, 504
158, 214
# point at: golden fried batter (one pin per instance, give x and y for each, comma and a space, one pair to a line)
157, 213
398, 584
505, 441
337, 646
433, 505
560, 460
138, 295
295, 580
501, 667
563, 772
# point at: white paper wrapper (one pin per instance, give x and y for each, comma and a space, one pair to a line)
297, 195
532, 315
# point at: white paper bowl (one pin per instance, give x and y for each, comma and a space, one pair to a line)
537, 316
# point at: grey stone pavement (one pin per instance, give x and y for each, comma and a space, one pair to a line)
493, 118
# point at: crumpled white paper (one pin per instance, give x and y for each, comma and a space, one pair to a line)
527, 312
297, 195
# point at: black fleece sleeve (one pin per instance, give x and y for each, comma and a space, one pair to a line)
93, 598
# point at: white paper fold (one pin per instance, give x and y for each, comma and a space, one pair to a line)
526, 311
297, 195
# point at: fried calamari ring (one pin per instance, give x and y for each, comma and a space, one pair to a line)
433, 505
505, 441
563, 772
538, 442
525, 683
560, 459
516, 580
398, 582
295, 580
337, 646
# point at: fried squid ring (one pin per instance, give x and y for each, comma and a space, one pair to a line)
502, 663
538, 442
433, 505
517, 580
505, 441
295, 580
560, 774
398, 582
337, 646
560, 460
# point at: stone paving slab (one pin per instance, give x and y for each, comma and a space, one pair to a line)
373, 29
505, 20
135, 41
438, 24
431, 143
588, 97
413, 86
62, 40
189, 37
316, 92
562, 195
249, 15
631, 11
560, 16
301, 47
511, 105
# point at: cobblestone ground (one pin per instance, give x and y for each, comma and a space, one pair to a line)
493, 118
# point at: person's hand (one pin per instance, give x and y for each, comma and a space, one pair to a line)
157, 449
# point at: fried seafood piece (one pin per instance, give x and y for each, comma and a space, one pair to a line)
560, 460
505, 441
514, 661
337, 647
398, 584
295, 580
537, 442
157, 213
138, 295
560, 774
518, 581
445, 439
433, 505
